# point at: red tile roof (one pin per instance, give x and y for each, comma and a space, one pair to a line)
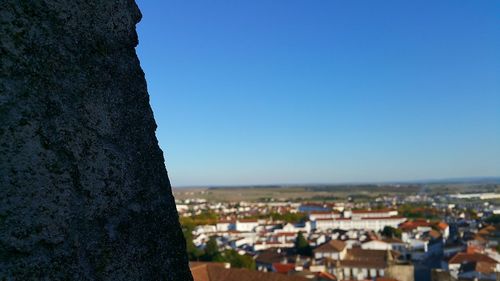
216, 272
442, 225
434, 234
283, 267
286, 234
326, 275
466, 257
410, 225
371, 211
485, 267
385, 218
331, 246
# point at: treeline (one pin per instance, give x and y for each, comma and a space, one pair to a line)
201, 219
212, 253
419, 211
212, 218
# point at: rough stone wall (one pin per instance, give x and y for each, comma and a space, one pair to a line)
84, 194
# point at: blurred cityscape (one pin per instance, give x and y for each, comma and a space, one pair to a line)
395, 232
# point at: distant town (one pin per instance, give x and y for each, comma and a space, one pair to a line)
394, 232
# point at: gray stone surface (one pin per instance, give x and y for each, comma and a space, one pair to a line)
84, 194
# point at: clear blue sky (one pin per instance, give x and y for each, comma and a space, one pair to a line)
323, 91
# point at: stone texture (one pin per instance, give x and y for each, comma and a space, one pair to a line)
84, 194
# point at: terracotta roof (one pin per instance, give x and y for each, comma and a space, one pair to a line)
199, 270
434, 234
286, 234
486, 230
361, 258
392, 240
211, 272
442, 225
410, 225
371, 211
330, 246
485, 267
360, 219
480, 239
325, 275
475, 257
270, 256
364, 254
283, 268
385, 218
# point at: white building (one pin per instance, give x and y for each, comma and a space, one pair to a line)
295, 228
181, 208
204, 229
225, 225
376, 245
246, 224
372, 223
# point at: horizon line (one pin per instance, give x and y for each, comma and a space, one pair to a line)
494, 179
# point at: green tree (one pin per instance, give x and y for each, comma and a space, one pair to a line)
193, 252
391, 232
207, 217
493, 219
211, 250
302, 246
236, 260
